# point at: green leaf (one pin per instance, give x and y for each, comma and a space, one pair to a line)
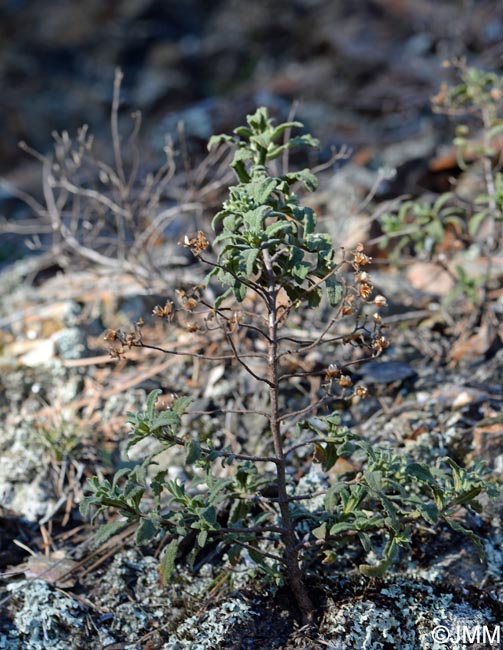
429, 512
374, 480
476, 221
306, 177
180, 405
335, 291
239, 290
320, 532
274, 229
255, 555
318, 242
421, 472
146, 531
247, 259
243, 132
215, 140
165, 419
151, 402
330, 501
118, 475
108, 530
239, 165
374, 570
341, 527
167, 562
259, 190
455, 525
308, 219
202, 537
281, 128
192, 452
209, 515
365, 541
392, 519
305, 140
254, 219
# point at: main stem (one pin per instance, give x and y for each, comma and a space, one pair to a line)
291, 553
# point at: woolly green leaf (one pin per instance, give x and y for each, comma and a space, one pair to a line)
146, 532
308, 219
238, 164
108, 530
365, 541
392, 520
320, 532
335, 290
167, 562
180, 405
151, 402
330, 500
209, 515
278, 227
202, 537
305, 140
456, 526
318, 242
248, 258
239, 290
281, 128
259, 120
374, 570
254, 218
341, 527
429, 512
476, 221
118, 475
215, 140
243, 132
420, 472
166, 419
314, 298
192, 452
260, 189
374, 480
306, 177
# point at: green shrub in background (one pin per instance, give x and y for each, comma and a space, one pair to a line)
272, 266
418, 228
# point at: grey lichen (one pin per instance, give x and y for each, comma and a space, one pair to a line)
47, 618
405, 616
209, 632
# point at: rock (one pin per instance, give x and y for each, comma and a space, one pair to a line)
386, 372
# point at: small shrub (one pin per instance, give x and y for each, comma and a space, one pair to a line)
419, 228
274, 266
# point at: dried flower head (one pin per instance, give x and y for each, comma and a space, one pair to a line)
380, 344
188, 302
234, 321
363, 276
365, 290
344, 381
380, 301
194, 327
197, 244
332, 371
359, 257
111, 335
117, 353
361, 391
167, 312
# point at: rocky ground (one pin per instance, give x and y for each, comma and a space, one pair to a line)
363, 78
